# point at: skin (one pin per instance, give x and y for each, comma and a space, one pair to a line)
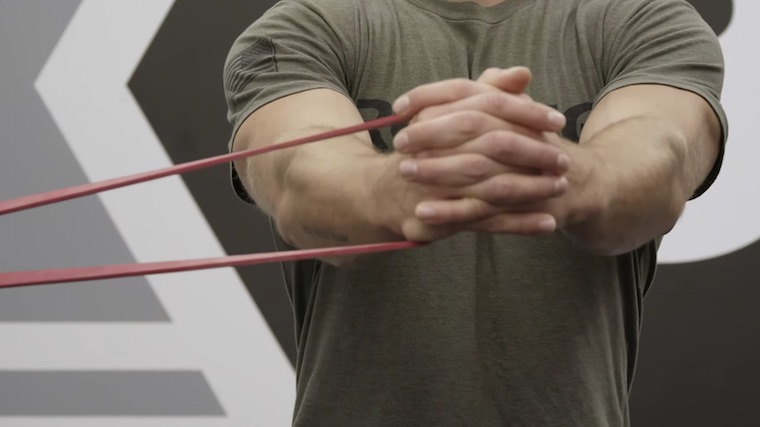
481, 156
643, 152
481, 2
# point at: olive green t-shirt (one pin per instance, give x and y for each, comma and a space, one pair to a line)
478, 329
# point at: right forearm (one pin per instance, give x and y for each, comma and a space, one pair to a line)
319, 194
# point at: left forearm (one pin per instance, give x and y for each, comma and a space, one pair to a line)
638, 176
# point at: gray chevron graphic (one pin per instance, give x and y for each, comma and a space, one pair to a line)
107, 394
35, 157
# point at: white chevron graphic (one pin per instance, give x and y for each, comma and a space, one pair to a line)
727, 218
216, 328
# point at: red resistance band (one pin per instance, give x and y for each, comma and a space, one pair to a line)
49, 277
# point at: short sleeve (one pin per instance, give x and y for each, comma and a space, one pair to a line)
297, 45
664, 42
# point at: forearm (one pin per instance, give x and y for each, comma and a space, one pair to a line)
318, 193
642, 177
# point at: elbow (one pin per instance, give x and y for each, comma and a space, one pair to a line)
286, 227
672, 215
292, 233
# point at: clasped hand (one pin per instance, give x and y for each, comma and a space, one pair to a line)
478, 156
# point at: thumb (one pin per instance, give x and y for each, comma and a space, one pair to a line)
513, 80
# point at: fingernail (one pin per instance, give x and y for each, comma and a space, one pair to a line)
560, 186
548, 225
401, 106
563, 161
408, 168
557, 119
425, 212
401, 142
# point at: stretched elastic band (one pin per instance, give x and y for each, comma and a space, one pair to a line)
55, 196
49, 277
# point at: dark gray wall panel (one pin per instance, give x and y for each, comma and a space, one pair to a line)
178, 85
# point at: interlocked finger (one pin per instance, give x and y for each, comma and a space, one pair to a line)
452, 171
519, 152
512, 189
526, 112
517, 223
477, 215
513, 80
452, 130
514, 108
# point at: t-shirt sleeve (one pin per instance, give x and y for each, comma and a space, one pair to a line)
295, 46
664, 42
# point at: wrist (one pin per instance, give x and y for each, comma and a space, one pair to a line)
380, 204
590, 184
590, 198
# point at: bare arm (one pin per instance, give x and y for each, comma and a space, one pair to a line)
342, 191
316, 193
643, 154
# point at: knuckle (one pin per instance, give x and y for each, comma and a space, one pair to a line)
489, 74
443, 214
470, 209
427, 170
526, 225
503, 144
427, 114
480, 209
479, 168
461, 85
470, 122
495, 102
503, 188
498, 224
544, 189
